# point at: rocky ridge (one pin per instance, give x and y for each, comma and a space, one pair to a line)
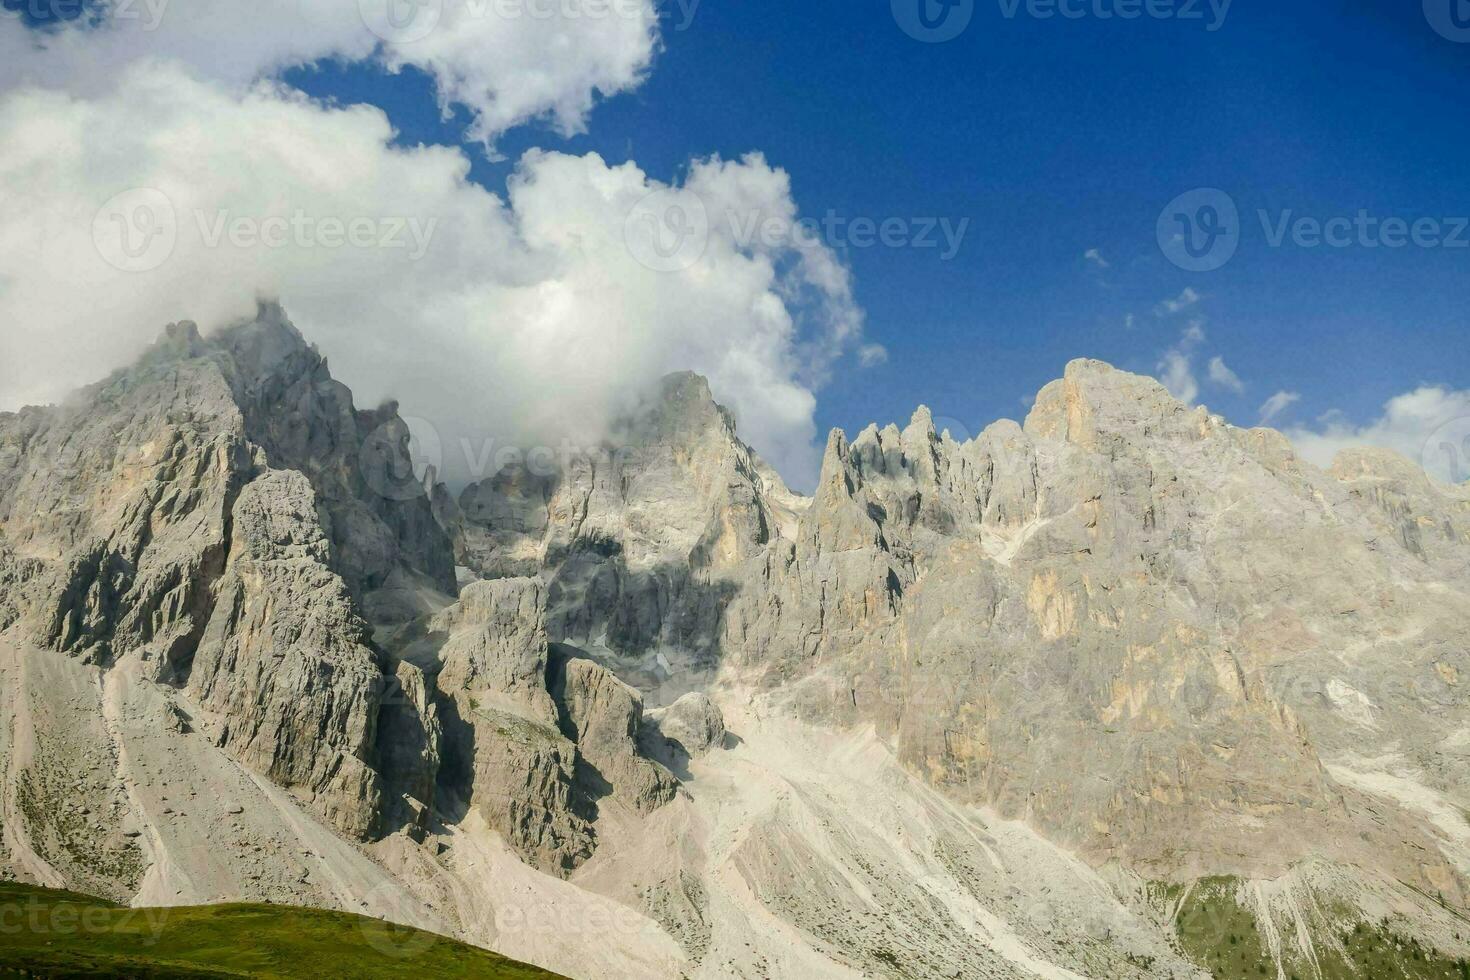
1165, 644
222, 515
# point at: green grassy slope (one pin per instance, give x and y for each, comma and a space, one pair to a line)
1222, 936
53, 934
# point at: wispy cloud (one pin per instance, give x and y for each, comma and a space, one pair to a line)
1095, 257
1178, 304
1177, 374
549, 283
1277, 404
1222, 376
1176, 365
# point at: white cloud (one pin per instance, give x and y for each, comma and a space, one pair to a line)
1430, 425
1095, 257
1176, 365
507, 61
528, 318
1222, 376
1176, 372
1178, 304
1277, 404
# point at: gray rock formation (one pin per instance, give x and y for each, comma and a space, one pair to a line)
1165, 644
693, 724
604, 717
1115, 624
635, 539
283, 670
223, 515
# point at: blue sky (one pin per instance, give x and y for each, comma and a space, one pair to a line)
1053, 162
1053, 137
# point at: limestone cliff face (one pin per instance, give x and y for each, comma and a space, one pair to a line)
224, 517
1124, 624
1152, 635
1165, 643
536, 736
208, 513
283, 670
636, 539
115, 508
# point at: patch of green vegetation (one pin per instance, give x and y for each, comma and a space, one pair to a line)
1222, 936
1379, 951
522, 731
54, 934
66, 836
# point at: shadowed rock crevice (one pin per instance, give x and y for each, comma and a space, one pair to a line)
644, 541
1165, 644
182, 513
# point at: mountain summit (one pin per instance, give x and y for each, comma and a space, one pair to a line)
1079, 697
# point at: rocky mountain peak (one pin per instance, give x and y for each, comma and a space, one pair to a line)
680, 410
1094, 403
1373, 463
1166, 646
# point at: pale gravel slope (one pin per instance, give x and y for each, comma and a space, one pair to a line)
787, 800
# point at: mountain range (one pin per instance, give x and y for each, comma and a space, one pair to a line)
1122, 691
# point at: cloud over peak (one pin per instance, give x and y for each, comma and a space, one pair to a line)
528, 318
1430, 425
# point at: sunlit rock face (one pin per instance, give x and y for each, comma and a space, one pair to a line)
223, 518
1126, 622
1165, 645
